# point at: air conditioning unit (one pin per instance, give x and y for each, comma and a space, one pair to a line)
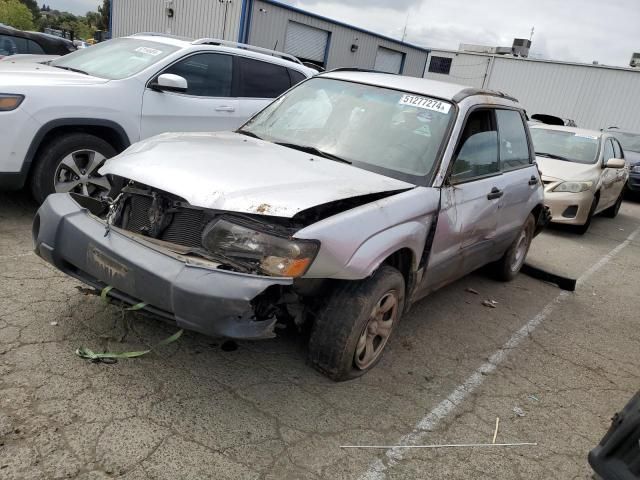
521, 47
635, 60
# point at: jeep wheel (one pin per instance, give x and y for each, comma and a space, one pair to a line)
70, 163
350, 333
510, 264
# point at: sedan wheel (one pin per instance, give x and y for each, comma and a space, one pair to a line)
78, 172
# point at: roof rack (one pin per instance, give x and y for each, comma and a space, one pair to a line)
468, 92
357, 69
158, 34
244, 46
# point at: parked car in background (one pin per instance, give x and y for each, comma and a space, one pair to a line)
552, 120
583, 172
341, 203
62, 120
630, 142
14, 42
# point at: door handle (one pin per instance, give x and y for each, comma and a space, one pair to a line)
533, 180
495, 193
225, 108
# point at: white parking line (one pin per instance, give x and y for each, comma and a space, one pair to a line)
377, 468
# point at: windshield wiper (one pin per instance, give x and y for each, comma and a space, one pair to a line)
71, 69
554, 156
314, 151
248, 134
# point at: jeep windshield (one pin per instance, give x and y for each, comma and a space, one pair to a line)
394, 133
115, 59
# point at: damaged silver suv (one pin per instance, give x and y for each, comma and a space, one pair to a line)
350, 197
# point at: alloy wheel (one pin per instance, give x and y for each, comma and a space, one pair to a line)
78, 173
377, 330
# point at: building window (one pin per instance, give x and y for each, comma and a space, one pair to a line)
440, 65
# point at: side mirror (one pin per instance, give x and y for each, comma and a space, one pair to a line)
168, 82
615, 163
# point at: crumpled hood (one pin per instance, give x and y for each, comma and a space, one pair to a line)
26, 74
563, 170
233, 172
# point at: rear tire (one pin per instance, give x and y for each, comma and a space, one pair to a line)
507, 268
50, 174
612, 211
351, 331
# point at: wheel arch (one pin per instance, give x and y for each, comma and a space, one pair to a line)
109, 130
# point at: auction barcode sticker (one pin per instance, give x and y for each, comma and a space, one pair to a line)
148, 51
426, 103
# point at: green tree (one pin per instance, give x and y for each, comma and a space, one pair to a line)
104, 10
16, 14
33, 6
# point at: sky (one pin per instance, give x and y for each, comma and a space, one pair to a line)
571, 30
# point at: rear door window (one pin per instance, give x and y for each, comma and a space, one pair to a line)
258, 79
514, 146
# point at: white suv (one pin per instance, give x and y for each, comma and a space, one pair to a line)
60, 121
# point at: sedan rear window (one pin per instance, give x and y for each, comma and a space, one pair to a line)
116, 59
565, 145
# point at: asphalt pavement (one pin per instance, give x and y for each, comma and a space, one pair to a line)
552, 366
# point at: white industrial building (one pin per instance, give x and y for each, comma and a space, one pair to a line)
270, 24
595, 96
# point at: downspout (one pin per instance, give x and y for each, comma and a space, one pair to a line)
111, 18
245, 21
487, 75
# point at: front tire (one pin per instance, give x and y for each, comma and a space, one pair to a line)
612, 211
70, 163
351, 331
507, 268
582, 229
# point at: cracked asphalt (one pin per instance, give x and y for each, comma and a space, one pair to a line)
195, 411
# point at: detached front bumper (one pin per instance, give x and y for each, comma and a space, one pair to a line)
569, 208
200, 298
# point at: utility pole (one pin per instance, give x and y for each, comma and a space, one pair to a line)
404, 33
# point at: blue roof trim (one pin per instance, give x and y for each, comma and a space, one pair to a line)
353, 27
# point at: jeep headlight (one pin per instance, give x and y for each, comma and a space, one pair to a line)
10, 102
271, 254
573, 187
635, 169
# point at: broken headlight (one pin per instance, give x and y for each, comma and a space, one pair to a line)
270, 254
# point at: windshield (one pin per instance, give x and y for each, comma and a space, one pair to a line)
629, 141
570, 146
115, 59
386, 131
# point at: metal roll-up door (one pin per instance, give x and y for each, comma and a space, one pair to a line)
306, 42
388, 60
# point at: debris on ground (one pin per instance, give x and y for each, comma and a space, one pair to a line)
489, 303
53, 324
533, 397
518, 411
495, 433
472, 290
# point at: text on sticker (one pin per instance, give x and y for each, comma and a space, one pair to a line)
427, 103
148, 51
